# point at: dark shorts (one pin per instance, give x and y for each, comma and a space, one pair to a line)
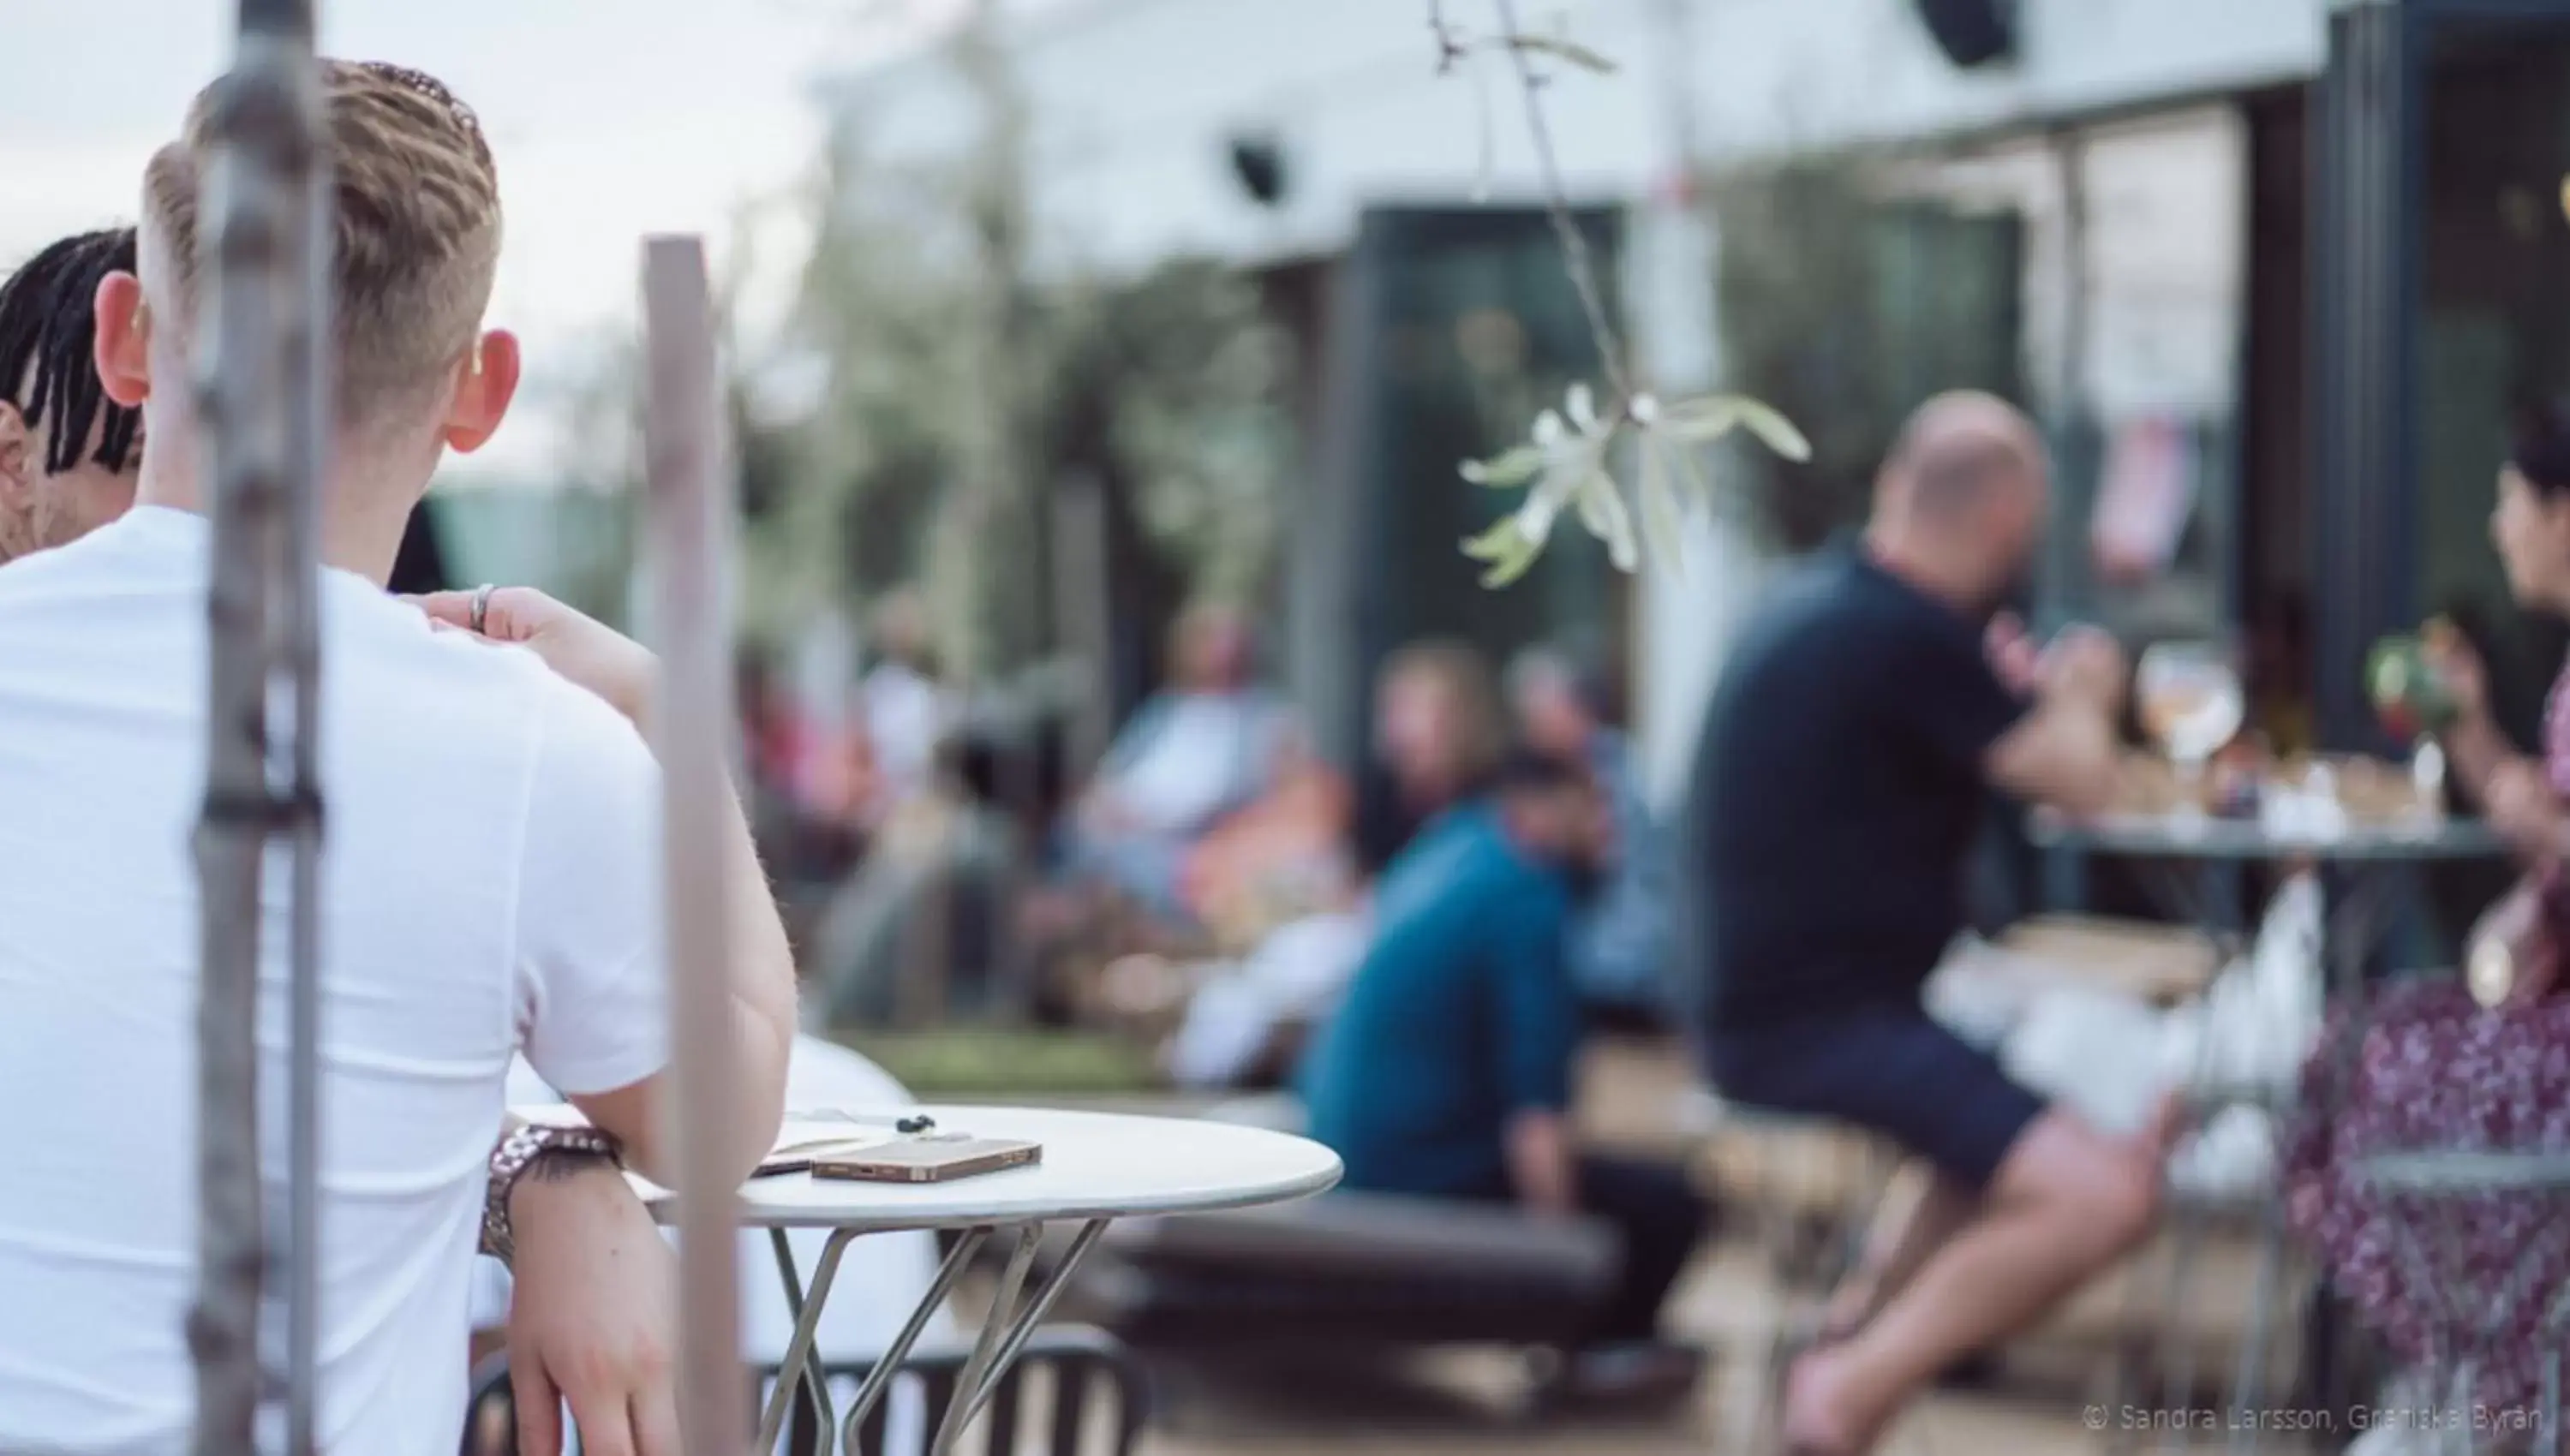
1891, 1070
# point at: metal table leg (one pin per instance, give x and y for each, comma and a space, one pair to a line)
1037, 1309
1005, 1334
802, 1362
1007, 1330
879, 1380
807, 1323
809, 1370
994, 1325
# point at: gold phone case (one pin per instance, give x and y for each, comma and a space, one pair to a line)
929, 1160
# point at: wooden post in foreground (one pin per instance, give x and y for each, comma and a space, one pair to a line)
256, 382
690, 541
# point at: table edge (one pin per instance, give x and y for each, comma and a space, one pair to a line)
665, 1209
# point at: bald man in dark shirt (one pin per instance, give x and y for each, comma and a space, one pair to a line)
1844, 772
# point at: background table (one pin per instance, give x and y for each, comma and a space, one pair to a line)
2366, 859
1096, 1167
2364, 865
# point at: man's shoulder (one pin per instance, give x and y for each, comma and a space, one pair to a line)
1819, 623
396, 670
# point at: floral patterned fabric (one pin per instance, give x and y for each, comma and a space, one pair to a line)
2433, 1070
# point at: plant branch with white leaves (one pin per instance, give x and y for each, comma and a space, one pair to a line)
1569, 463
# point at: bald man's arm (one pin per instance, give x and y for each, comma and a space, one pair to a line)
2065, 752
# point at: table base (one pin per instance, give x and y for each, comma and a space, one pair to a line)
1004, 1331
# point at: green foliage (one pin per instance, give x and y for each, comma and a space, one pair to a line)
1169, 385
980, 1062
1189, 377
1847, 309
1794, 275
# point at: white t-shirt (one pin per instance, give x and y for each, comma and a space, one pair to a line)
490, 860
905, 717
1205, 749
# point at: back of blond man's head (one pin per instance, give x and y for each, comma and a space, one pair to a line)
415, 245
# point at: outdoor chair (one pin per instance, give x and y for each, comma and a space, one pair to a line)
1812, 1186
1073, 1392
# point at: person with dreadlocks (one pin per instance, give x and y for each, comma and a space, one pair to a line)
69, 455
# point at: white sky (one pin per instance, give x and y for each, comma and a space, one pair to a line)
610, 118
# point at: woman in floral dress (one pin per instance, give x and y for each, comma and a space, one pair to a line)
2431, 1070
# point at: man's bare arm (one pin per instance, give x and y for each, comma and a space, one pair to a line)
762, 967
2064, 754
761, 964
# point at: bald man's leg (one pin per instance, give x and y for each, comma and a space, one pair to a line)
2068, 1203
1918, 1220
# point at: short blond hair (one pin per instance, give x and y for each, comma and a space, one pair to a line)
416, 241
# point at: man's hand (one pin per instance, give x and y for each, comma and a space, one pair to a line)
594, 1317
760, 963
2523, 809
2087, 663
587, 652
2011, 652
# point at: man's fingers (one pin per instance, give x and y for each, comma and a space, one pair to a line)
655, 1420
539, 1427
511, 614
606, 1425
454, 608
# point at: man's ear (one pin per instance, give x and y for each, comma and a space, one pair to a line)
124, 348
484, 383
18, 463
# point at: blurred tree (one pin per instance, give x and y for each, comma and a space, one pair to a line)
938, 390
1190, 379
1845, 307
959, 387
1794, 269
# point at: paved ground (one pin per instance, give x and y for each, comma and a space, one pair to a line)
1465, 1403
1462, 1404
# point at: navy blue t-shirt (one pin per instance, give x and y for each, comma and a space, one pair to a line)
1838, 790
1462, 1016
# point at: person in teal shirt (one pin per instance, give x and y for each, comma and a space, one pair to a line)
1447, 1070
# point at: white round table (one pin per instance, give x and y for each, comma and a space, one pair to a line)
1095, 1167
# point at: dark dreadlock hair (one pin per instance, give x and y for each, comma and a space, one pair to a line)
47, 336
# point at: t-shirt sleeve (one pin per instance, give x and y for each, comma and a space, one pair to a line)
1944, 690
592, 1011
1538, 1011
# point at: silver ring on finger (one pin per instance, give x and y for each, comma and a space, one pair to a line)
481, 606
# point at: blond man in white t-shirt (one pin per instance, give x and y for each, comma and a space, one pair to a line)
489, 885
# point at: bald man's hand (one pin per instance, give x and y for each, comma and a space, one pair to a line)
2088, 664
2013, 653
2064, 752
